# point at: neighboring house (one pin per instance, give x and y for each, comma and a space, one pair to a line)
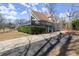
43, 19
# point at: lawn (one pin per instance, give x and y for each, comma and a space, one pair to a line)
11, 35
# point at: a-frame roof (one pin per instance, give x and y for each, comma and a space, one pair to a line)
41, 16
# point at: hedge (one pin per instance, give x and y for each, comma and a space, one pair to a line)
24, 29
32, 29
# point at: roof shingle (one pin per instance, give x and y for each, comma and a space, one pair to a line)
41, 16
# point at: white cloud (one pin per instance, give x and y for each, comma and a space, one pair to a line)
39, 10
4, 10
11, 7
24, 4
34, 4
44, 9
14, 13
8, 12
10, 17
29, 5
64, 16
3, 7
34, 8
24, 12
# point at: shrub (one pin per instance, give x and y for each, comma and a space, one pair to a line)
38, 29
25, 29
32, 29
75, 24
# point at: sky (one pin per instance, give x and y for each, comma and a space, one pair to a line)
14, 11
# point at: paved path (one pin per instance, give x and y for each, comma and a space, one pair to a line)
14, 43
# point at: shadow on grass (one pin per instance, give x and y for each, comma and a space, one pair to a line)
50, 47
64, 48
34, 48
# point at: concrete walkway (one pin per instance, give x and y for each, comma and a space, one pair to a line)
13, 43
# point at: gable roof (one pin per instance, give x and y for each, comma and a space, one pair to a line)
41, 16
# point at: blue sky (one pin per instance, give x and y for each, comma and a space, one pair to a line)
21, 10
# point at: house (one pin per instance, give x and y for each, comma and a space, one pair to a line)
39, 18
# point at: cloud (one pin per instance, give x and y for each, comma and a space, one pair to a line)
8, 12
30, 5
39, 10
64, 16
24, 4
10, 17
11, 6
34, 4
34, 8
3, 10
24, 12
45, 10
13, 13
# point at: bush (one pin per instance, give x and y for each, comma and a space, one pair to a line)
32, 29
75, 24
38, 29
25, 29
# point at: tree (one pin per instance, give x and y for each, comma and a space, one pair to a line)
73, 13
10, 25
51, 9
2, 22
19, 22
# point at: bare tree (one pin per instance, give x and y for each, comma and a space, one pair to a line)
19, 22
10, 25
72, 14
51, 8
2, 23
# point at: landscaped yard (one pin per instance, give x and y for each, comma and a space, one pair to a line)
73, 48
69, 49
11, 35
